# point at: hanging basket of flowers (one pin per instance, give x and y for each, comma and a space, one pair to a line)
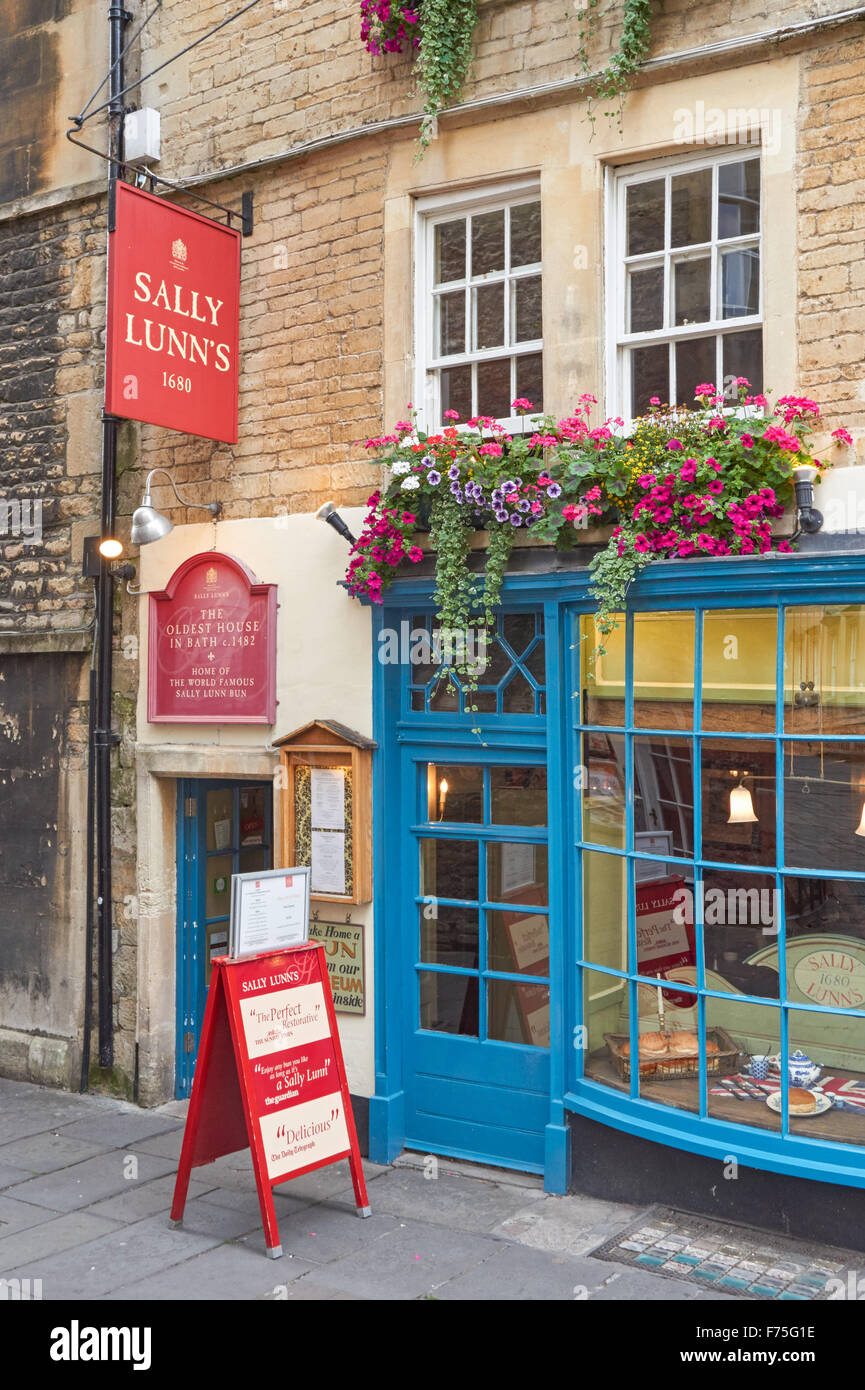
711, 480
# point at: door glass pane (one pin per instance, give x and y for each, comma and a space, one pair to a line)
741, 920
663, 796
837, 1045
606, 1016
664, 670
739, 662
527, 312
746, 1031
518, 630
249, 860
518, 696
602, 789
739, 198
449, 869
450, 251
824, 670
530, 379
456, 391
494, 388
691, 208
526, 234
488, 243
605, 913
738, 791
216, 944
448, 935
517, 873
695, 364
602, 672
488, 316
645, 215
253, 811
451, 323
692, 290
518, 1013
220, 818
519, 795
518, 943
743, 356
449, 1003
218, 870
824, 800
740, 283
646, 290
455, 793
650, 377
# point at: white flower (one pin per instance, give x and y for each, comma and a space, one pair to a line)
409, 484
399, 468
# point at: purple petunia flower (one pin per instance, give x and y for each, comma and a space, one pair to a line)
433, 477
516, 519
553, 490
453, 471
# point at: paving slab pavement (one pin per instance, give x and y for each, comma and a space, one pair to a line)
86, 1186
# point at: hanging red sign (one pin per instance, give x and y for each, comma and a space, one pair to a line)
173, 317
212, 646
270, 1075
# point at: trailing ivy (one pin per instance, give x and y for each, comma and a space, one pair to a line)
443, 58
617, 78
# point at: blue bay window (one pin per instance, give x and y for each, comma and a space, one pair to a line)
646, 871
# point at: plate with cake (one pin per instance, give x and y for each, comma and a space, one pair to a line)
801, 1102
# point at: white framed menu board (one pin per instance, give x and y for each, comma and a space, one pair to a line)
269, 911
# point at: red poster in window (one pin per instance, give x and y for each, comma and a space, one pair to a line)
211, 649
173, 317
270, 1075
665, 932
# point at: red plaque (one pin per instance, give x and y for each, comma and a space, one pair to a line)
270, 1075
173, 315
212, 646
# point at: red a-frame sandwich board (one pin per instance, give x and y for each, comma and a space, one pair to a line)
270, 1076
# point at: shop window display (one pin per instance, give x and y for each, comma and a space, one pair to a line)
721, 840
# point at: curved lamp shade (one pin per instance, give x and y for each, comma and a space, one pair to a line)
149, 525
741, 807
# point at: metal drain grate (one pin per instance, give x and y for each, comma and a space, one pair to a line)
731, 1259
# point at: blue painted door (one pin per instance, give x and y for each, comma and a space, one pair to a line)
473, 849
224, 828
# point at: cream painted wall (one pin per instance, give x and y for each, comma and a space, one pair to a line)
324, 670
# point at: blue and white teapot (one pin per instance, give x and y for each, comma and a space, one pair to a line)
803, 1071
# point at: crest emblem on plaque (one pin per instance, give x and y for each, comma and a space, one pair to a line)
211, 576
179, 253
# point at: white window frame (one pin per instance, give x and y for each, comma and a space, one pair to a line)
429, 212
618, 373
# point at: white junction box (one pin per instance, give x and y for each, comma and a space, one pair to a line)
141, 135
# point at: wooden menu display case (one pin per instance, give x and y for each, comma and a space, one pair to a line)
326, 804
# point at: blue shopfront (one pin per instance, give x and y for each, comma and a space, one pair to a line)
654, 851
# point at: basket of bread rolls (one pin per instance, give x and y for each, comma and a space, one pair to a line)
668, 1056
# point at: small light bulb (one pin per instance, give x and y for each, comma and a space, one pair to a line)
110, 549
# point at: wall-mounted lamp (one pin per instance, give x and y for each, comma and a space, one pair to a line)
860, 829
150, 525
110, 548
443, 796
808, 518
329, 514
741, 805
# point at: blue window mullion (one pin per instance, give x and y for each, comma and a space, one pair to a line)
697, 846
630, 889
780, 858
